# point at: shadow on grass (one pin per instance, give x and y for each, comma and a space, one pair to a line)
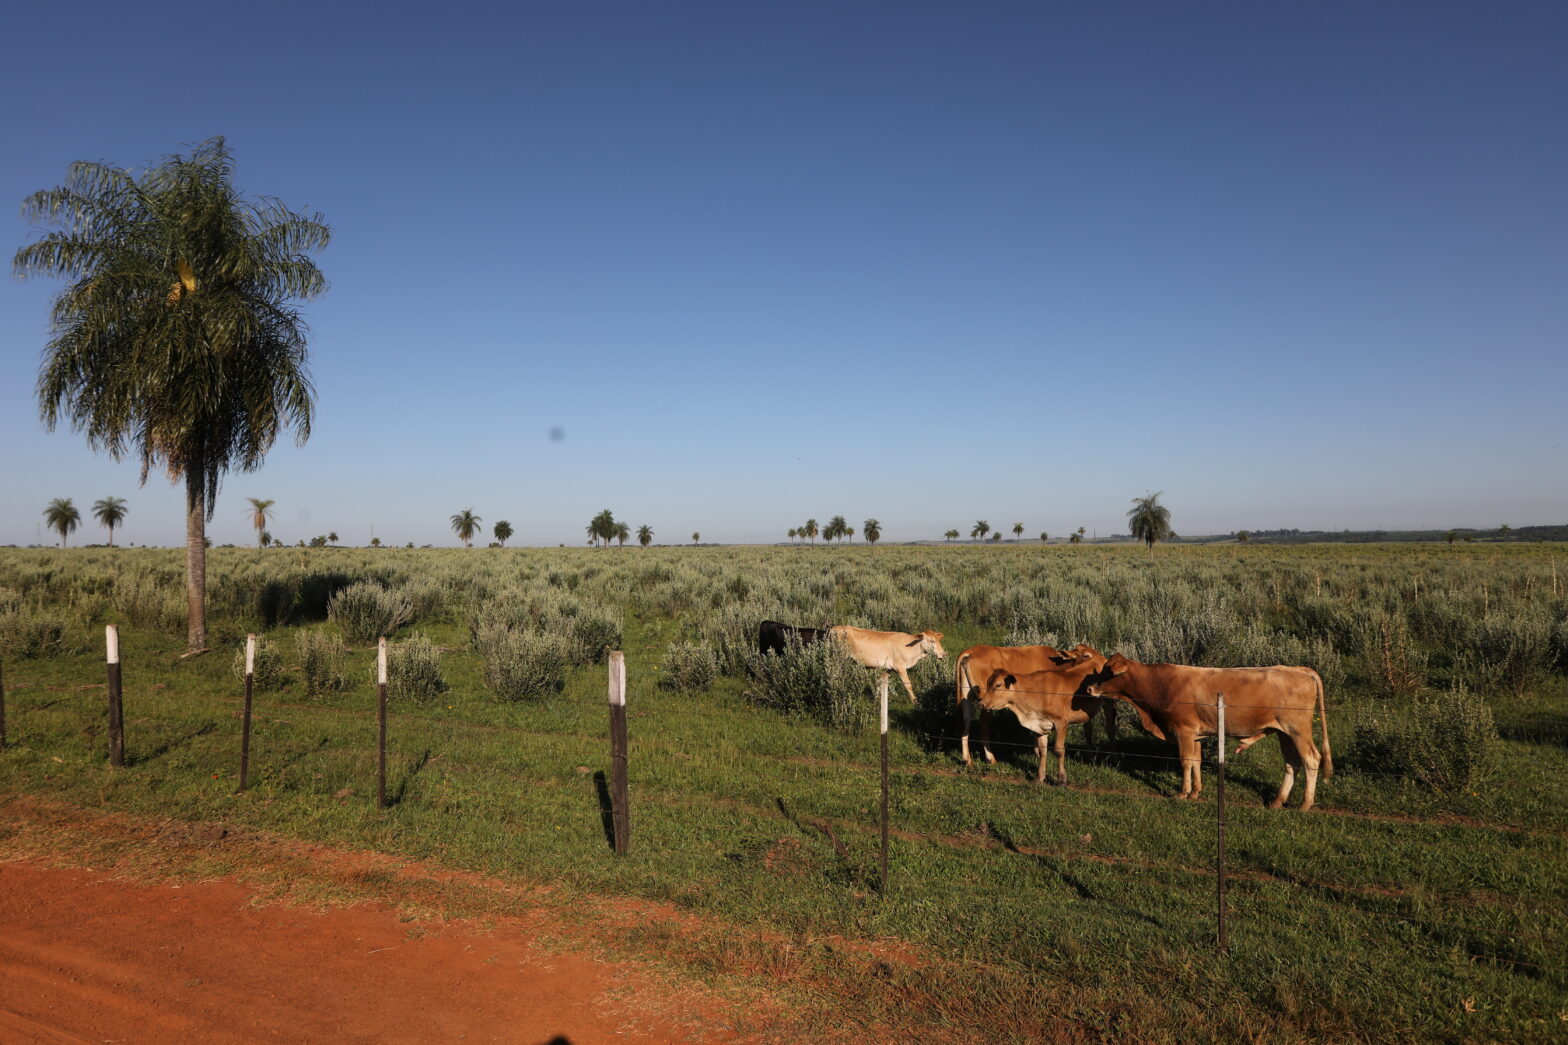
601, 787
848, 871
396, 797
134, 759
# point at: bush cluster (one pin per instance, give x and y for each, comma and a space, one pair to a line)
414, 669
818, 680
1446, 740
268, 667
366, 611
689, 667
320, 660
523, 664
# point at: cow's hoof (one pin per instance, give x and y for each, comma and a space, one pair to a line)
1276, 804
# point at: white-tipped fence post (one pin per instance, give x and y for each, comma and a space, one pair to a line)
1220, 826
882, 697
111, 636
250, 676
619, 812
381, 724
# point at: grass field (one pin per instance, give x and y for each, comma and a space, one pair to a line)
1398, 910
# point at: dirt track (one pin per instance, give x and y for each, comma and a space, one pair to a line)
87, 958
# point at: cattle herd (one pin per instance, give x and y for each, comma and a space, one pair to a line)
1049, 689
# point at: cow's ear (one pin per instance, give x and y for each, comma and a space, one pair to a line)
1010, 681
918, 640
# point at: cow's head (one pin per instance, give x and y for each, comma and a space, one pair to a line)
998, 690
930, 642
1080, 654
1110, 679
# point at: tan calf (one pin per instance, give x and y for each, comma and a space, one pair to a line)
890, 650
978, 663
1049, 701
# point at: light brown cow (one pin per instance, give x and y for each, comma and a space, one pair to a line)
890, 650
1051, 700
1178, 702
978, 663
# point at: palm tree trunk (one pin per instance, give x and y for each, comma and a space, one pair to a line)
195, 557
111, 536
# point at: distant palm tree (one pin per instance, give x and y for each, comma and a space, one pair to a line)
1018, 530
981, 529
695, 537
1242, 536
62, 517
110, 512
260, 513
872, 529
502, 531
951, 535
265, 539
602, 527
465, 524
332, 538
1044, 536
792, 532
996, 536
1504, 530
1075, 538
1451, 536
623, 533
834, 530
177, 340
375, 542
810, 530
645, 535
1150, 520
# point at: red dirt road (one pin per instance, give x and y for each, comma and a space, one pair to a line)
87, 958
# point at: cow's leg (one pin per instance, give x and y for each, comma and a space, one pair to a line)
985, 734
1043, 750
1061, 751
1311, 760
1287, 750
907, 687
967, 706
1191, 779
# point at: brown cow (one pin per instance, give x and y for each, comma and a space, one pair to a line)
889, 650
1178, 702
978, 663
1051, 700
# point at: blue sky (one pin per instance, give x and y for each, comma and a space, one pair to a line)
1294, 264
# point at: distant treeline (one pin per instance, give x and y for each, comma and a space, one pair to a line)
1521, 533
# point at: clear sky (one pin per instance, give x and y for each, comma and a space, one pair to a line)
1294, 264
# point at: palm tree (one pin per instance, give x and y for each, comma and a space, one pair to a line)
602, 527
1018, 530
62, 517
810, 530
1150, 520
332, 538
645, 535
981, 529
1044, 536
375, 542
260, 513
849, 532
834, 530
1076, 538
465, 524
792, 532
872, 529
1242, 536
623, 533
951, 535
110, 512
695, 537
178, 340
996, 536
265, 539
502, 531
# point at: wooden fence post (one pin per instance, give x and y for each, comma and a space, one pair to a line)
882, 696
116, 708
619, 804
1220, 828
381, 724
250, 676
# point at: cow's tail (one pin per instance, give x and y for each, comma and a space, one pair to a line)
1327, 766
961, 680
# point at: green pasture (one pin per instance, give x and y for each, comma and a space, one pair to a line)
1397, 911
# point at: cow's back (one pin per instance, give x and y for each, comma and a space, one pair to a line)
1255, 698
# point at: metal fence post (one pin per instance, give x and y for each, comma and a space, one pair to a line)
381, 724
116, 708
250, 677
882, 695
1224, 943
619, 797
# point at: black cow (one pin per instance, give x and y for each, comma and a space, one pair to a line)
775, 637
